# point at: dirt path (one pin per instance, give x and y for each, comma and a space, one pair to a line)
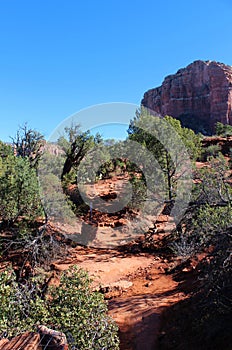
106, 267
137, 288
138, 311
135, 284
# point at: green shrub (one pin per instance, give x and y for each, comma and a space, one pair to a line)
19, 190
82, 313
72, 308
223, 129
210, 151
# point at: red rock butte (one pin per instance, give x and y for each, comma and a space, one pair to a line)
199, 96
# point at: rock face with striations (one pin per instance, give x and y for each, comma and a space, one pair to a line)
198, 95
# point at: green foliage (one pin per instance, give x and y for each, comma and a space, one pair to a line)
76, 144
20, 306
223, 129
211, 220
52, 161
19, 188
71, 308
82, 313
55, 202
5, 150
95, 164
28, 143
210, 213
139, 190
214, 187
207, 223
210, 151
111, 166
191, 140
169, 130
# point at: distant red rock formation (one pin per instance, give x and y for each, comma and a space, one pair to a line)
199, 95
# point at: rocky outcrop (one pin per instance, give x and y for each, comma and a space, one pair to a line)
199, 95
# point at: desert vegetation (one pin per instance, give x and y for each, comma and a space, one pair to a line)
30, 245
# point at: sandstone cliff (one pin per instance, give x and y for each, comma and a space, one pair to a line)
199, 95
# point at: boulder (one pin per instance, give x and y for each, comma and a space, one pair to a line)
52, 340
25, 341
45, 338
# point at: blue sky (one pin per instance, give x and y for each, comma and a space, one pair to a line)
58, 57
